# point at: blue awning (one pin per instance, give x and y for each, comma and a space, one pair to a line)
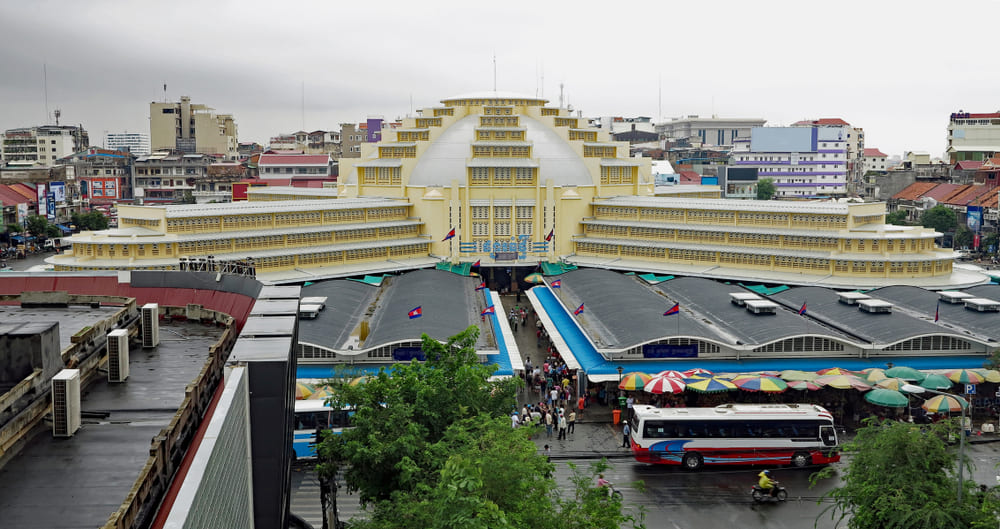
64, 228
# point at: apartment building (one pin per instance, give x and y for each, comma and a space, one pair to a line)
42, 145
973, 136
136, 143
167, 178
801, 161
695, 130
192, 128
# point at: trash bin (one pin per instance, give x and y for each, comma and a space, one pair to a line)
616, 416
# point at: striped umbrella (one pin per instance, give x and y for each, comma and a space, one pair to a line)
661, 385
322, 392
964, 376
944, 404
906, 373
875, 374
991, 375
672, 374
795, 374
834, 371
634, 381
843, 382
895, 384
709, 385
935, 381
697, 372
358, 381
303, 390
761, 383
803, 385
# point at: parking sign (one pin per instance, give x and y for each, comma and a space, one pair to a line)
970, 389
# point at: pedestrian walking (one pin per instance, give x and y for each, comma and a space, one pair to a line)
572, 422
580, 404
562, 428
548, 424
625, 432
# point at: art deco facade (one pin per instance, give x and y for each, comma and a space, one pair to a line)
522, 183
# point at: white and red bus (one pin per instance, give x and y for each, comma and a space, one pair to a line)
734, 434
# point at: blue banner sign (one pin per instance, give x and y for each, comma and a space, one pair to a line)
663, 350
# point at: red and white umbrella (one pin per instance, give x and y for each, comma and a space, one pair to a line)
696, 372
664, 385
672, 374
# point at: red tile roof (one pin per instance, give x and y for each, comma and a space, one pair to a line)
986, 200
914, 191
689, 177
966, 165
875, 153
822, 121
9, 197
966, 194
294, 159
27, 191
942, 191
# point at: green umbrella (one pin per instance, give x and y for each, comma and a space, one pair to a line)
936, 382
536, 279
887, 397
906, 373
965, 376
944, 404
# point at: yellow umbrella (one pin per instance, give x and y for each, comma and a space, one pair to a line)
302, 390
358, 381
875, 375
322, 392
536, 279
634, 381
991, 375
843, 382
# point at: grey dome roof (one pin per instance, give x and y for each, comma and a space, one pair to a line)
445, 159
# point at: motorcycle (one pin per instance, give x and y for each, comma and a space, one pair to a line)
761, 495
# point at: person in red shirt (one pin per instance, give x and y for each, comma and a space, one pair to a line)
580, 403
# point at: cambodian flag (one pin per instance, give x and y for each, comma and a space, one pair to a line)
450, 235
579, 310
557, 283
476, 263
549, 236
676, 309
489, 310
937, 312
415, 313
802, 311
481, 286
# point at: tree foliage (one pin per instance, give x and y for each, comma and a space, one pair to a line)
902, 476
766, 189
37, 225
431, 447
939, 218
92, 221
963, 237
897, 217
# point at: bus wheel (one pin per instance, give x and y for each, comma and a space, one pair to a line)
801, 459
692, 461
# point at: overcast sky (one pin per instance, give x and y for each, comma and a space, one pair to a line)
895, 68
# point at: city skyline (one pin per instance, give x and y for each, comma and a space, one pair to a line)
315, 65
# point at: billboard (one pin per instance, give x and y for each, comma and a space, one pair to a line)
974, 218
57, 190
22, 213
43, 207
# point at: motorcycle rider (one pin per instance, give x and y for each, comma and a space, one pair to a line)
767, 483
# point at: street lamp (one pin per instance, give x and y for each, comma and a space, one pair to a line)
912, 388
620, 370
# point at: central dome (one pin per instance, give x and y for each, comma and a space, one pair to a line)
446, 158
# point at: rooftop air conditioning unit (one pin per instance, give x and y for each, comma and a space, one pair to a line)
117, 355
66, 403
150, 325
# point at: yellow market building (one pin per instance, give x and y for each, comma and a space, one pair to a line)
520, 183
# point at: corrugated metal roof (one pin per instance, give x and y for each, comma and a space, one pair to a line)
914, 191
829, 208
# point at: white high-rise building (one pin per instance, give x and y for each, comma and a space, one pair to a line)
136, 143
41, 145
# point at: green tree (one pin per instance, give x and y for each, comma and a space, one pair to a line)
37, 225
400, 416
989, 241
897, 217
432, 447
963, 237
92, 221
902, 476
14, 228
939, 218
766, 189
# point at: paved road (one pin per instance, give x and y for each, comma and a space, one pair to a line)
20, 265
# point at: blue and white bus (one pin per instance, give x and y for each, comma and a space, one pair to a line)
313, 414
